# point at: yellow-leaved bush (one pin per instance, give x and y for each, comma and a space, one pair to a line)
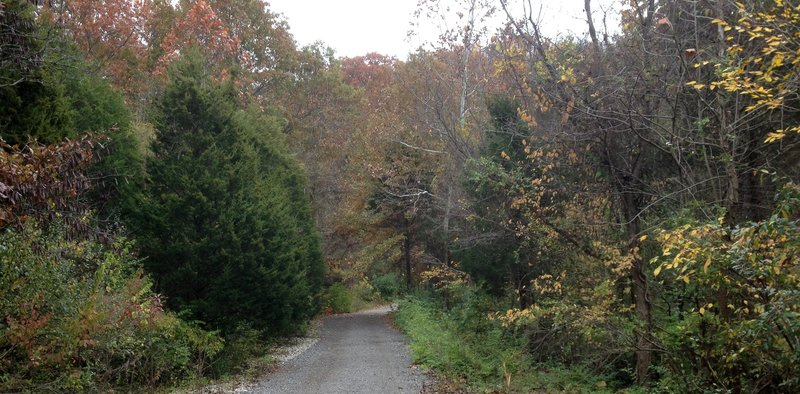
732, 297
762, 60
586, 323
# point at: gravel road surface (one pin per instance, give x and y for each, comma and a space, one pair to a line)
356, 353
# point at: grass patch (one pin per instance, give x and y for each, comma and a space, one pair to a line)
463, 346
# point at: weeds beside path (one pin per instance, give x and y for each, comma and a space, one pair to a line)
468, 352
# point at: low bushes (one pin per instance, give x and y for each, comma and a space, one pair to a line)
731, 302
78, 315
479, 358
467, 345
346, 297
338, 299
388, 285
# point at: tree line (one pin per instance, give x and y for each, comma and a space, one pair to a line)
627, 198
154, 224
623, 202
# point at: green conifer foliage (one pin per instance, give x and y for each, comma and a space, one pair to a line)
32, 100
224, 217
48, 93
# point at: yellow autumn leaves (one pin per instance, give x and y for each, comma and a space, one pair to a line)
686, 246
762, 60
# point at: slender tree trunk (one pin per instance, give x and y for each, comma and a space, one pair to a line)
462, 108
462, 123
727, 142
587, 5
627, 176
446, 227
641, 297
407, 245
522, 292
643, 308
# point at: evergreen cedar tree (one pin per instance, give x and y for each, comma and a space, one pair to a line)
48, 94
33, 100
223, 218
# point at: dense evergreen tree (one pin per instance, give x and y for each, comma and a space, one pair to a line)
47, 93
32, 99
97, 108
224, 219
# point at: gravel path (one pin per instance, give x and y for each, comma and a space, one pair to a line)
355, 353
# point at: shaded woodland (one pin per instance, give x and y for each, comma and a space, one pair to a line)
180, 183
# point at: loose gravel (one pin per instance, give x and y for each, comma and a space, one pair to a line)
355, 353
293, 348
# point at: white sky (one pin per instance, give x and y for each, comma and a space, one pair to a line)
357, 27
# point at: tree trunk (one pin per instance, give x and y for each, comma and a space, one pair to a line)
446, 227
587, 7
407, 259
641, 297
462, 108
644, 356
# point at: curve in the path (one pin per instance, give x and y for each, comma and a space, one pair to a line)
356, 353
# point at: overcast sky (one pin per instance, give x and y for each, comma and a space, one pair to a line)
357, 27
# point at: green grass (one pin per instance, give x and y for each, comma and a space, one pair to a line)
464, 347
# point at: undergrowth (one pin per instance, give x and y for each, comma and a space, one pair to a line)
464, 346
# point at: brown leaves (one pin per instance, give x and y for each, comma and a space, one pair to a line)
41, 180
201, 27
113, 33
372, 71
24, 330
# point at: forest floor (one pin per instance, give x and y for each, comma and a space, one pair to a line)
349, 353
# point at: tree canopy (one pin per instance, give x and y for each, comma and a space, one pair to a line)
619, 206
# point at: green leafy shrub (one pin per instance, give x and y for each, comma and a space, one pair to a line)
80, 316
241, 346
363, 294
734, 306
388, 285
463, 346
586, 334
467, 345
339, 299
